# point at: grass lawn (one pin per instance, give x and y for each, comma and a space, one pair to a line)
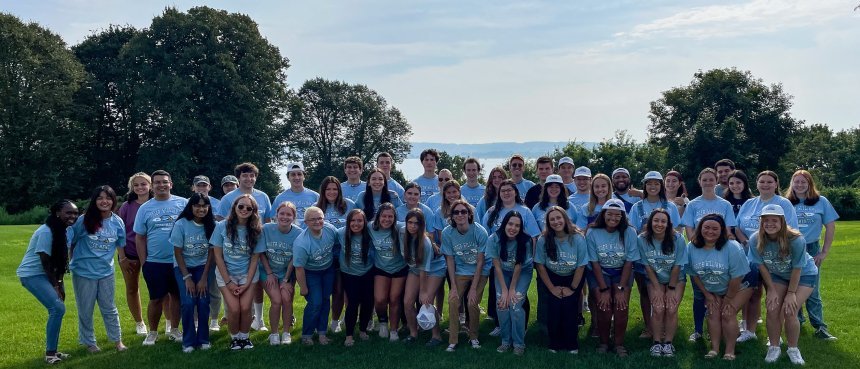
23, 321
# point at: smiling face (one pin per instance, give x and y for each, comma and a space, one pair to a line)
544, 170
766, 185
376, 181
412, 225
659, 223
199, 210
708, 181
553, 190
314, 219
297, 179
444, 177
653, 187
508, 194
799, 185
496, 178
331, 191
357, 223
621, 181
104, 203
460, 214
672, 184
736, 185
555, 219
452, 194
471, 170
248, 180
582, 183
141, 187
429, 163
723, 172
566, 172
162, 186
513, 227
711, 230
517, 167
412, 196
386, 218
612, 218
600, 188
68, 214
286, 216
384, 164
771, 224
353, 171
244, 208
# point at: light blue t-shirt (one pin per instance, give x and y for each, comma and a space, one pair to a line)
540, 215
811, 218
394, 186
351, 263
427, 253
93, 254
214, 204
530, 225
748, 216
493, 251
429, 187
351, 191
717, 267
315, 253
797, 257
606, 248
31, 264
579, 199
154, 220
641, 210
264, 206
387, 256
279, 247
571, 187
523, 186
302, 201
587, 217
472, 194
429, 215
335, 217
190, 237
652, 256
464, 248
720, 190
480, 210
700, 207
572, 253
434, 201
237, 254
377, 200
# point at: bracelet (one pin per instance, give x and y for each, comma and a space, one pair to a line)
230, 281
791, 292
185, 277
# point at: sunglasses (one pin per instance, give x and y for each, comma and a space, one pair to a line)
459, 212
243, 207
444, 179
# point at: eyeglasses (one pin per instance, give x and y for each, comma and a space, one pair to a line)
444, 179
516, 165
459, 212
316, 219
243, 207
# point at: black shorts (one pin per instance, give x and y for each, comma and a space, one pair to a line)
160, 280
398, 274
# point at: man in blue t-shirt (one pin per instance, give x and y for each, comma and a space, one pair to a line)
247, 173
472, 191
297, 194
724, 168
385, 162
517, 165
429, 180
353, 185
622, 189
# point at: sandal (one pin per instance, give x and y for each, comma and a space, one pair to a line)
363, 336
307, 342
729, 357
349, 342
621, 351
711, 354
323, 340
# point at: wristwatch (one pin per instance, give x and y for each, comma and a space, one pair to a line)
621, 288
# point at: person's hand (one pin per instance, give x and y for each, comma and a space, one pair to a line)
233, 287
658, 298
202, 287
503, 299
303, 290
729, 307
672, 299
125, 265
604, 300
473, 296
61, 292
711, 302
271, 281
190, 287
819, 258
287, 287
790, 304
621, 299
453, 294
426, 299
772, 302
240, 289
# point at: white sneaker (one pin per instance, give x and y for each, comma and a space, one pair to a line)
214, 326
496, 332
794, 356
475, 343
746, 336
393, 337
462, 318
259, 325
167, 327
274, 339
286, 338
773, 353
205, 346
150, 339
657, 350
695, 336
188, 349
335, 326
383, 330
175, 335
371, 325
585, 308
141, 329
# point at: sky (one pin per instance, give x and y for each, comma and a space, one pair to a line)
491, 71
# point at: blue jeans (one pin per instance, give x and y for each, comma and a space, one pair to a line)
698, 308
190, 304
214, 294
512, 320
814, 306
42, 289
87, 293
320, 284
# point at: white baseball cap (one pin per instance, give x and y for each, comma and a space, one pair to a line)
652, 175
620, 170
614, 204
553, 178
565, 160
295, 167
772, 209
582, 172
427, 317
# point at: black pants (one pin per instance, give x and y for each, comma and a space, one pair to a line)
359, 294
563, 315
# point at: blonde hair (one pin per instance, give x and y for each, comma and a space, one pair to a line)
592, 198
783, 236
131, 196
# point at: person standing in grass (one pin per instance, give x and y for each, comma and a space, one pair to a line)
717, 265
612, 250
510, 250
389, 269
561, 257
278, 275
356, 264
814, 211
139, 192
152, 225
336, 207
42, 269
789, 275
463, 243
190, 239
95, 237
313, 256
663, 253
237, 245
418, 252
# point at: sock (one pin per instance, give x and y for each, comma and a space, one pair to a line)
235, 336
243, 335
656, 342
258, 311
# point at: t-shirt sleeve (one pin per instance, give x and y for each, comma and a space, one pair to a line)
753, 254
217, 238
140, 220
630, 245
446, 244
43, 242
830, 214
540, 252
739, 266
532, 227
481, 237
635, 220
681, 253
582, 251
591, 244
492, 249
798, 252
177, 239
300, 252
120, 230
731, 221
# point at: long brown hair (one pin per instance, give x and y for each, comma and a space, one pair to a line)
413, 246
254, 225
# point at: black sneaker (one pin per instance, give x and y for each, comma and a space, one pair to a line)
823, 334
235, 345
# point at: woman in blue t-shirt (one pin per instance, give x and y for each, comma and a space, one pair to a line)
813, 212
376, 193
789, 274
42, 269
510, 250
95, 237
336, 207
190, 240
390, 271
356, 264
237, 245
313, 256
418, 252
717, 265
278, 274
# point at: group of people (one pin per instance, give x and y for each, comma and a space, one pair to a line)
356, 249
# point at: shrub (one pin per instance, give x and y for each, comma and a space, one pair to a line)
36, 215
846, 200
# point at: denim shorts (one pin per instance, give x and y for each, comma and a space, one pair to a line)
609, 279
398, 274
805, 280
240, 280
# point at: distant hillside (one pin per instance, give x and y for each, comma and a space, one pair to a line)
531, 149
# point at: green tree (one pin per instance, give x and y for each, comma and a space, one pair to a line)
581, 155
332, 120
41, 144
811, 148
723, 113
454, 164
621, 151
208, 92
846, 146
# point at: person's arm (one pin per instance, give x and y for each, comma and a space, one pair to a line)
512, 287
621, 303
140, 245
183, 270
500, 283
577, 277
689, 231
544, 277
740, 236
789, 304
452, 277
829, 232
303, 283
271, 279
734, 287
672, 298
203, 283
